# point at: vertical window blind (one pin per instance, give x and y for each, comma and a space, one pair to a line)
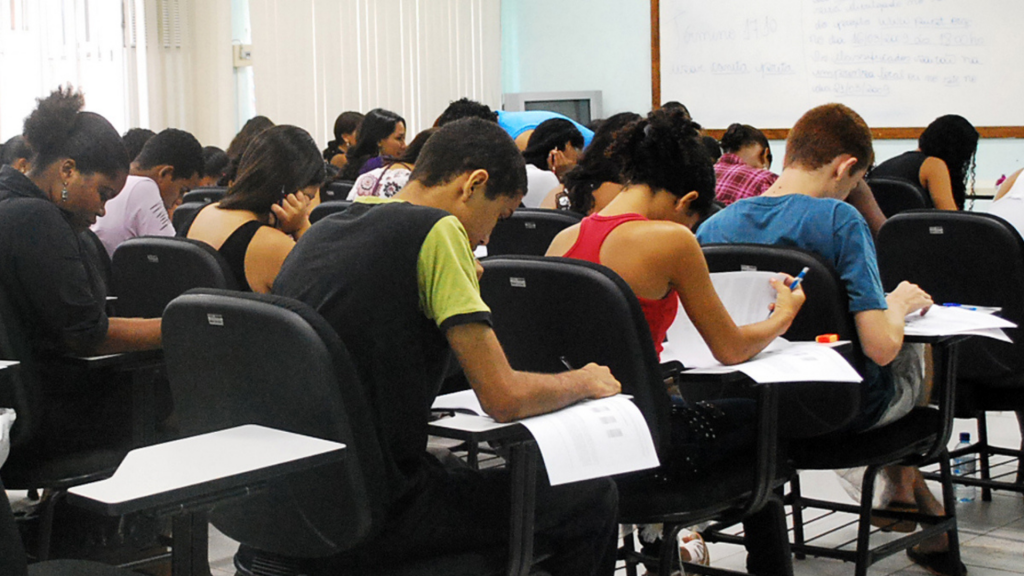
313, 59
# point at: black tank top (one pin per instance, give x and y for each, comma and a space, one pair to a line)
906, 167
234, 248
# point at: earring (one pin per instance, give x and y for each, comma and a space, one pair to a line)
64, 193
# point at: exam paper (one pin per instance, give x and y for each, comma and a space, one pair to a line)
746, 296
792, 362
592, 439
945, 321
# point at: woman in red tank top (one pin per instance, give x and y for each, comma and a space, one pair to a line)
644, 236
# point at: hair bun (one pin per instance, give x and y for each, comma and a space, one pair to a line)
52, 122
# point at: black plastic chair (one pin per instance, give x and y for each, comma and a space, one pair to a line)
150, 271
325, 209
33, 463
238, 358
978, 259
895, 196
529, 231
337, 190
205, 195
184, 214
917, 438
547, 309
808, 408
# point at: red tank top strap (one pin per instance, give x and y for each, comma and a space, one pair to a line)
593, 231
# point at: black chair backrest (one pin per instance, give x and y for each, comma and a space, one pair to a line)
337, 190
325, 209
826, 310
236, 358
529, 231
205, 195
964, 258
544, 309
184, 214
895, 196
150, 271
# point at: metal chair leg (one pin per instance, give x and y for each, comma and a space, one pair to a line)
864, 524
983, 455
798, 514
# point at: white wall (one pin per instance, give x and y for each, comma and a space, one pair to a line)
579, 45
605, 45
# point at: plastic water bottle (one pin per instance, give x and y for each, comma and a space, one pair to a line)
964, 466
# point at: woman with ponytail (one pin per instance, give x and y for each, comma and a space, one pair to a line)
346, 132
644, 235
52, 285
79, 162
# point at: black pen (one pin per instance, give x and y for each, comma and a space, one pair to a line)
566, 363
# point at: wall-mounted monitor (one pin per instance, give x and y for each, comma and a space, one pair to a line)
582, 106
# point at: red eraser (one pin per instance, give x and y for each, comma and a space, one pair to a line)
826, 338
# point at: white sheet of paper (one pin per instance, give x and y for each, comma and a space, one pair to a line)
944, 320
746, 296
792, 362
587, 440
592, 439
461, 400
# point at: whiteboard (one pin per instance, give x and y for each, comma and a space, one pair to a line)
899, 63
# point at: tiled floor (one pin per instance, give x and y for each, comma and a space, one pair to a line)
991, 533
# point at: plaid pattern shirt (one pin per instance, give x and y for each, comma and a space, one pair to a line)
735, 180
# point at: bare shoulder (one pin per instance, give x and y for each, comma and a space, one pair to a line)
564, 241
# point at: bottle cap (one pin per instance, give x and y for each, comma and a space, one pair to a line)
965, 437
826, 338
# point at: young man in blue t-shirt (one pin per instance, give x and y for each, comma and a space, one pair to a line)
827, 154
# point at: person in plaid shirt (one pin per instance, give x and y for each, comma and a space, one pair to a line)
742, 171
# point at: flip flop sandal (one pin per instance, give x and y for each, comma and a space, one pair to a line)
894, 525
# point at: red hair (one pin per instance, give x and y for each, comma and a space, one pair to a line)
824, 133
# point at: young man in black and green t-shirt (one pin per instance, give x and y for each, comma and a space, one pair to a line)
398, 280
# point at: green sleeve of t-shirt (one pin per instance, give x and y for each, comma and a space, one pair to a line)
448, 287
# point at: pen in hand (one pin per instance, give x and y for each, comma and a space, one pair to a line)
566, 363
799, 278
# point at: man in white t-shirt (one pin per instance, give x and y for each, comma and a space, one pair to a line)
168, 166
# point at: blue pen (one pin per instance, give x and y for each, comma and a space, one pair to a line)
799, 278
955, 305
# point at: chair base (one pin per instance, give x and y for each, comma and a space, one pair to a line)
863, 555
985, 451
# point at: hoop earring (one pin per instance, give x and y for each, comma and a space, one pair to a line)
64, 193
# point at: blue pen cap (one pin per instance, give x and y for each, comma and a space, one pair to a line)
965, 437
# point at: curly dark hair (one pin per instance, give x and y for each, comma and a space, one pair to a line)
737, 136
58, 129
595, 167
665, 152
955, 140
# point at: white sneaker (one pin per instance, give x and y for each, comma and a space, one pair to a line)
692, 548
